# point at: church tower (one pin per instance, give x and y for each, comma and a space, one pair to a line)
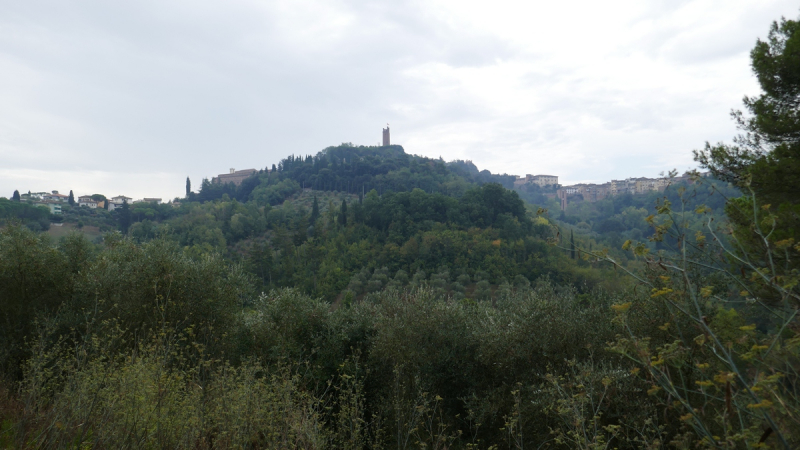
386, 136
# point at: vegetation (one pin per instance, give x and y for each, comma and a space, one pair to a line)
367, 298
34, 217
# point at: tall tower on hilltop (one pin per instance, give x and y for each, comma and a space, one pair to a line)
386, 136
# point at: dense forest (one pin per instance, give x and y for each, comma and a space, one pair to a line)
364, 297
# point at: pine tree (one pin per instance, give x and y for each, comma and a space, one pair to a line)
71, 200
16, 196
766, 158
343, 214
188, 187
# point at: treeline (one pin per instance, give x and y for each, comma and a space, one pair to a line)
354, 170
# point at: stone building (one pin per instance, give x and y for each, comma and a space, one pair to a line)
386, 140
541, 180
234, 176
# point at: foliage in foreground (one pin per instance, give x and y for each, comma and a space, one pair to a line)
397, 369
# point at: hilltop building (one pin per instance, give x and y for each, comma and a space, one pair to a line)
86, 200
541, 180
116, 202
234, 176
386, 140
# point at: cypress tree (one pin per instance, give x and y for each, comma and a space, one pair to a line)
343, 214
16, 196
314, 211
71, 200
125, 217
572, 244
188, 187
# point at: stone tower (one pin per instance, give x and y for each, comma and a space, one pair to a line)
386, 135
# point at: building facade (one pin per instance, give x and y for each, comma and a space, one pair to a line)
234, 176
540, 180
116, 202
595, 192
86, 200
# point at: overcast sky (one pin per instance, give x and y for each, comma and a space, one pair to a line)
131, 97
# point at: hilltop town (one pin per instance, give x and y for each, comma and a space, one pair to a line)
591, 192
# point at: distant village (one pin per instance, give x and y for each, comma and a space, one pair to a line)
54, 200
591, 192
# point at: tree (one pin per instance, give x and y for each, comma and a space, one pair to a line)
124, 217
764, 161
767, 156
16, 196
71, 200
572, 244
314, 211
737, 379
260, 261
188, 187
343, 214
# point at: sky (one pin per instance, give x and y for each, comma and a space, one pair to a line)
132, 97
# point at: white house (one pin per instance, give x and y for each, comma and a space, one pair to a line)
86, 200
116, 202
